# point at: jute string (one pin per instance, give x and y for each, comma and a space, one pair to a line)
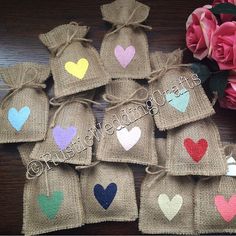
60, 47
159, 173
62, 104
88, 166
13, 90
117, 26
117, 101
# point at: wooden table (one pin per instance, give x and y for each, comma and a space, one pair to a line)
20, 24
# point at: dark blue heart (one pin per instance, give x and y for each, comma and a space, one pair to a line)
105, 196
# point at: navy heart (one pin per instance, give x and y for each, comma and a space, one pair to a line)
105, 196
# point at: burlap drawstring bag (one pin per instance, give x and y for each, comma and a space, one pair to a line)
128, 128
215, 203
166, 203
75, 64
24, 110
176, 92
124, 50
195, 149
108, 193
69, 138
52, 201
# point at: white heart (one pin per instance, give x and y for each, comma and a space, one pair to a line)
128, 138
231, 168
170, 208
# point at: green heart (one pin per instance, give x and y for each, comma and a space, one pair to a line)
50, 204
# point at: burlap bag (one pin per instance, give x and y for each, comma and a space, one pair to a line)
176, 103
75, 64
52, 201
166, 203
24, 110
69, 138
124, 50
135, 143
195, 149
108, 193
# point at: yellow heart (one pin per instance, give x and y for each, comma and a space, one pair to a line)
78, 69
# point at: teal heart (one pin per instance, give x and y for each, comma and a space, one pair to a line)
50, 204
18, 118
179, 102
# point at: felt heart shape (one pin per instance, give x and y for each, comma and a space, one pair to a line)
124, 56
227, 209
78, 69
50, 205
196, 150
18, 118
170, 208
180, 102
63, 137
231, 167
127, 138
105, 196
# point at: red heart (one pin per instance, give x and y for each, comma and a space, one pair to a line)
196, 150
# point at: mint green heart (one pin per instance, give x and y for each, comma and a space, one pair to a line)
179, 102
50, 205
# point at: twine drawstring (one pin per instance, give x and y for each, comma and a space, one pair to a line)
117, 101
158, 74
215, 98
88, 166
46, 182
127, 23
159, 173
62, 104
30, 84
59, 48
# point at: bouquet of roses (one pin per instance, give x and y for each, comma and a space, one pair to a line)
211, 37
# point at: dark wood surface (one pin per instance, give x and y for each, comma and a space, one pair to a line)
20, 24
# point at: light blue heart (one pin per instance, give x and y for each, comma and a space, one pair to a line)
179, 102
18, 118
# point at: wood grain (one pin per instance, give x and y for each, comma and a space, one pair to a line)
20, 24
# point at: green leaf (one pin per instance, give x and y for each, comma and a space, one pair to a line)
224, 8
201, 70
218, 82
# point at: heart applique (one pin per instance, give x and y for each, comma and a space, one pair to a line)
127, 138
227, 209
231, 167
180, 102
170, 208
196, 150
78, 69
63, 137
105, 196
50, 205
17, 119
124, 56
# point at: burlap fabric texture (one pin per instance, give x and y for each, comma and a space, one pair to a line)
52, 201
74, 63
135, 142
24, 110
124, 50
176, 92
108, 193
195, 149
68, 139
166, 203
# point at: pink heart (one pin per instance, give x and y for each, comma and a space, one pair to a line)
124, 56
226, 209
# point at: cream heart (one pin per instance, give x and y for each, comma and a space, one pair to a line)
170, 208
231, 167
128, 138
78, 69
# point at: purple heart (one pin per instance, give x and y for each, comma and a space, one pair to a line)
124, 56
63, 137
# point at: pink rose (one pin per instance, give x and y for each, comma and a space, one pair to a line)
224, 46
225, 17
229, 100
200, 26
